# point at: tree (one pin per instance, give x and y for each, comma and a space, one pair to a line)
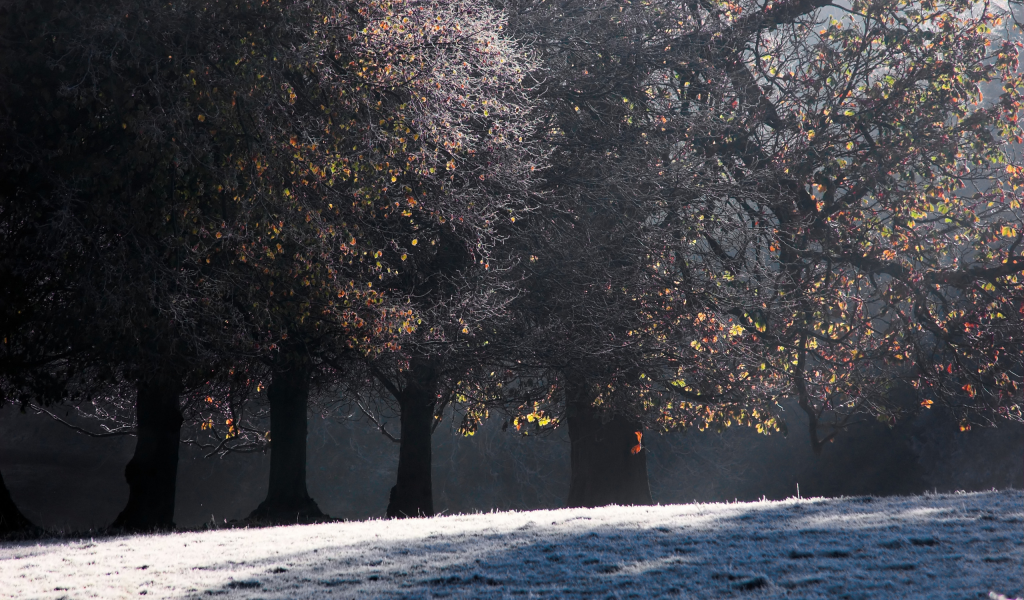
38, 327
121, 178
690, 154
94, 187
434, 117
589, 303
447, 257
882, 228
12, 522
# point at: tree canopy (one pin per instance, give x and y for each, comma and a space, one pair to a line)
674, 214
771, 203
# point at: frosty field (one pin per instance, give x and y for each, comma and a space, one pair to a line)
935, 546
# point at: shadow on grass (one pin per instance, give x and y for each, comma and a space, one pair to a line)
937, 547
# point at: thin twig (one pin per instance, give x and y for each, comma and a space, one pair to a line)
113, 433
380, 426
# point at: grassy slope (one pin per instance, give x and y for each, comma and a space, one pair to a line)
934, 546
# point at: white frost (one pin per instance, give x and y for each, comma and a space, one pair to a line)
935, 546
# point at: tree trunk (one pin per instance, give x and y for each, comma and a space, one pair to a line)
12, 522
413, 494
605, 470
288, 500
153, 470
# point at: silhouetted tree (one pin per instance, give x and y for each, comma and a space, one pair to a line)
449, 260
696, 245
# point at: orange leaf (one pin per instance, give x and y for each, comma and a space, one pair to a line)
639, 440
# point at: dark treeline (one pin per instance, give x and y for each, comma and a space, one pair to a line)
609, 220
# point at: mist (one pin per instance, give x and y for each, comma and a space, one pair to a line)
67, 482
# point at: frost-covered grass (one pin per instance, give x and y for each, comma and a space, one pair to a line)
934, 546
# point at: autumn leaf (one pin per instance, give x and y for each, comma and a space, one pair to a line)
639, 440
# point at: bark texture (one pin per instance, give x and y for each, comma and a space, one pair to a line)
12, 522
413, 494
604, 468
288, 499
153, 470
